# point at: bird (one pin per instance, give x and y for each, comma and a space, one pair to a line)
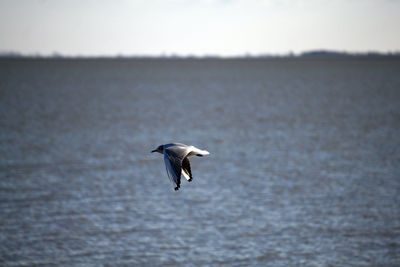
176, 158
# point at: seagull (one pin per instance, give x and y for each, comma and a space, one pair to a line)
176, 157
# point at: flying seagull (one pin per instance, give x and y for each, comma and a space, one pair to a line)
176, 157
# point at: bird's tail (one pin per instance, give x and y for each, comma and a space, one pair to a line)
199, 152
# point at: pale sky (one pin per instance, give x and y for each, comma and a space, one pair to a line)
197, 27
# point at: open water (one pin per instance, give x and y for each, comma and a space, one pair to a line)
304, 167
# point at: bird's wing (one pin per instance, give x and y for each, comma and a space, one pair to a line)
173, 158
186, 171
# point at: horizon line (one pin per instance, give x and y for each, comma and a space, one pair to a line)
306, 53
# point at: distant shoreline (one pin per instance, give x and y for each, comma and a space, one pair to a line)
314, 54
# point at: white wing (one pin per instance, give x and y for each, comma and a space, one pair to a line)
187, 177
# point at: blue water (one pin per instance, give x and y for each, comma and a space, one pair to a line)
304, 165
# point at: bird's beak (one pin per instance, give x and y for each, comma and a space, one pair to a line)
155, 150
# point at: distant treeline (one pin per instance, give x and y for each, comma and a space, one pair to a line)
336, 54
326, 54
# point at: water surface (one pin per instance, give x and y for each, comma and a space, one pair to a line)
304, 164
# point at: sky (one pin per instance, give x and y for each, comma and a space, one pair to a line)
197, 27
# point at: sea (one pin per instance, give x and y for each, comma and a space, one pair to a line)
304, 164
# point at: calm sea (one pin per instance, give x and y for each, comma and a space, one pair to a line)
304, 166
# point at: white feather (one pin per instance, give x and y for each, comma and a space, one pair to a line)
185, 175
195, 151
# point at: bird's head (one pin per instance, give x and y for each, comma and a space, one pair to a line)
159, 149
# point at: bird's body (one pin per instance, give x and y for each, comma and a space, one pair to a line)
176, 158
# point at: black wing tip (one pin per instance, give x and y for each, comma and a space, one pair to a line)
190, 179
